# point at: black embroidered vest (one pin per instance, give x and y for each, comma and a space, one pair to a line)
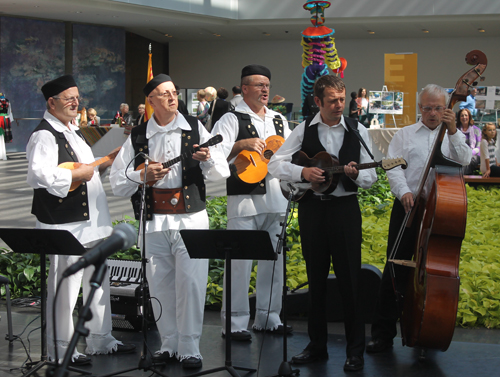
193, 185
247, 130
350, 150
51, 209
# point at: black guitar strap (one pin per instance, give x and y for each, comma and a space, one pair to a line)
356, 132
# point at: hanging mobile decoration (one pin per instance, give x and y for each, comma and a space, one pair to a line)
319, 48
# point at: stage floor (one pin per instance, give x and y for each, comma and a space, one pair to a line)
474, 352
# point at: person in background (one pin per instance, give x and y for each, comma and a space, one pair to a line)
465, 123
83, 212
470, 103
237, 97
141, 109
93, 119
259, 206
362, 101
182, 105
353, 106
203, 107
176, 201
221, 106
489, 165
123, 117
330, 225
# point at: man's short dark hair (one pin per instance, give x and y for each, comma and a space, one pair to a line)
236, 89
222, 93
327, 81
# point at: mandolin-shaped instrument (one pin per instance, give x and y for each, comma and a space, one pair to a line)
332, 170
251, 166
213, 141
73, 165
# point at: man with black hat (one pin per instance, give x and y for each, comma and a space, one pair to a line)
175, 202
259, 206
84, 212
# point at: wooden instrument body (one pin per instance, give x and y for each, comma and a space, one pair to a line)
251, 166
431, 302
332, 172
440, 210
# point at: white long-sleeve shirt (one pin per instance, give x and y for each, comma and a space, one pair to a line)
414, 144
273, 200
164, 144
42, 154
331, 138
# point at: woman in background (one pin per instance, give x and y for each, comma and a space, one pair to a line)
93, 120
465, 123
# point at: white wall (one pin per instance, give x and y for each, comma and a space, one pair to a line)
440, 61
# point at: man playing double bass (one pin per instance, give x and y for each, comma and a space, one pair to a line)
414, 143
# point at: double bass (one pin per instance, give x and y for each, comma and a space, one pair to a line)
440, 210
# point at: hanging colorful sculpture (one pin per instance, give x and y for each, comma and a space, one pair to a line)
319, 48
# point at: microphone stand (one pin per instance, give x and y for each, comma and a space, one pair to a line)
84, 316
146, 361
285, 370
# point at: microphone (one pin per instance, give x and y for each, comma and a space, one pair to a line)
124, 236
293, 189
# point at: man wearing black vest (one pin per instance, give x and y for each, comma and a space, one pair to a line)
84, 212
175, 202
330, 225
259, 206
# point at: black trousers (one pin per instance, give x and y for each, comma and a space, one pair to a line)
388, 309
330, 233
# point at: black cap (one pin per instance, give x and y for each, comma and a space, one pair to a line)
154, 82
255, 69
54, 87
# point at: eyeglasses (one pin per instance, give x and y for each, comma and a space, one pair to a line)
70, 99
260, 86
167, 94
428, 109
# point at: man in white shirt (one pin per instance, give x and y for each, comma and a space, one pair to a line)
330, 224
237, 97
175, 202
83, 211
259, 206
414, 143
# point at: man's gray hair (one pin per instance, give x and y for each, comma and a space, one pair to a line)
123, 105
433, 90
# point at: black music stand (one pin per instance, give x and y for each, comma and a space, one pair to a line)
43, 242
228, 245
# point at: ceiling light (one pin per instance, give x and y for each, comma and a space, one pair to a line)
266, 33
481, 30
425, 31
168, 35
370, 32
216, 35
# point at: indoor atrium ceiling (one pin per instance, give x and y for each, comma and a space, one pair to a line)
165, 25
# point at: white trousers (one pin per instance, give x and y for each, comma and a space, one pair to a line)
178, 286
100, 340
269, 277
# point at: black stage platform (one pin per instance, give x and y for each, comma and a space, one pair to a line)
474, 352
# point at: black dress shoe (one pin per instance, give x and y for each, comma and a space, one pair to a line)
125, 348
191, 363
378, 345
164, 357
279, 331
354, 363
307, 356
240, 336
81, 360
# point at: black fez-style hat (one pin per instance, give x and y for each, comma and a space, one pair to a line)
54, 87
255, 69
154, 82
